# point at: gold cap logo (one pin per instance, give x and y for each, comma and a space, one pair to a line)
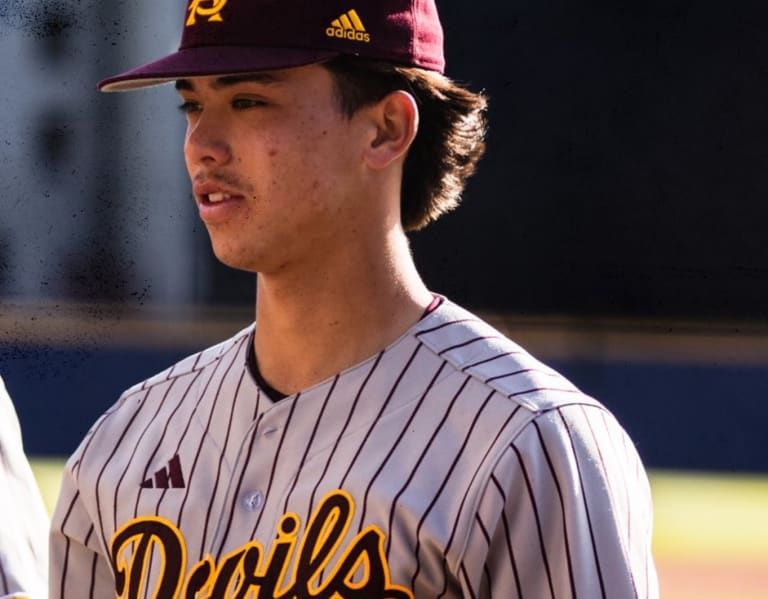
349, 26
213, 12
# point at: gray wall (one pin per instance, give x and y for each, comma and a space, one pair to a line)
95, 202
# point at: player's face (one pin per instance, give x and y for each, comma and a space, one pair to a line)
275, 165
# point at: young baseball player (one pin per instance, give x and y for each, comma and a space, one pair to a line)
23, 518
365, 437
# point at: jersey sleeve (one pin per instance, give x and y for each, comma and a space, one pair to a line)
23, 517
79, 566
566, 513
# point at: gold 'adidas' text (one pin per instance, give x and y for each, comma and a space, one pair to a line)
348, 34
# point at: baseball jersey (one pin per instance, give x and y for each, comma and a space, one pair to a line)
23, 517
451, 464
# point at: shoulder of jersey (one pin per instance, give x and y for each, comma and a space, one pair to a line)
131, 400
191, 363
474, 347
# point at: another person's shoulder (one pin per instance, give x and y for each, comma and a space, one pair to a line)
10, 431
5, 398
24, 520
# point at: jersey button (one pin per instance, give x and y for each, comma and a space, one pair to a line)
252, 501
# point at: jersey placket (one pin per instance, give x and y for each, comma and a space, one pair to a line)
263, 467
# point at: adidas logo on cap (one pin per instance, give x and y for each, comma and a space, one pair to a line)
349, 26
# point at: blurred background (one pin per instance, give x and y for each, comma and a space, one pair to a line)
616, 228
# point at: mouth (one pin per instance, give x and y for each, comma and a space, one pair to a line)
210, 193
218, 202
215, 198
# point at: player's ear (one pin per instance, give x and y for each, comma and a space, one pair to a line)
396, 120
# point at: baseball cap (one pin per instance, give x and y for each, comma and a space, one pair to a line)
239, 36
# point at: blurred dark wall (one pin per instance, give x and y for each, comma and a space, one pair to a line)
627, 163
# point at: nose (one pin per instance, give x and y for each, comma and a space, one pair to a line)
206, 141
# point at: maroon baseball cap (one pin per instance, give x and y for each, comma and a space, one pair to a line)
223, 37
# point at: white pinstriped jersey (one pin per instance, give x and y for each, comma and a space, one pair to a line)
23, 518
451, 464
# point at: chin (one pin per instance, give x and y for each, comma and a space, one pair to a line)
239, 265
235, 258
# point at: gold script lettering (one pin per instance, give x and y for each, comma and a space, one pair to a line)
323, 568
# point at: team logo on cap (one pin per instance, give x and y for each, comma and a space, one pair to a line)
213, 11
349, 27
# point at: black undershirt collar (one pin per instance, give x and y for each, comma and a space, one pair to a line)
276, 395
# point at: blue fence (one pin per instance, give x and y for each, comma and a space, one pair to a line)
689, 416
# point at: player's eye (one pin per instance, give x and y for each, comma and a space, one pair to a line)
188, 107
246, 103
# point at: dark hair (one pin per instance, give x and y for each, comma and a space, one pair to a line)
449, 141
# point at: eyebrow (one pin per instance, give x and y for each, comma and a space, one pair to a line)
230, 80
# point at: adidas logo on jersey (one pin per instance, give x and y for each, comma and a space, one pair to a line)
167, 477
349, 26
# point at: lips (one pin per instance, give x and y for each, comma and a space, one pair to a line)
217, 197
212, 192
218, 203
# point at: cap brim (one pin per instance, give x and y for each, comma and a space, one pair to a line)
211, 60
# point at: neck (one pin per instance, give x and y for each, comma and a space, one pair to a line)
310, 326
